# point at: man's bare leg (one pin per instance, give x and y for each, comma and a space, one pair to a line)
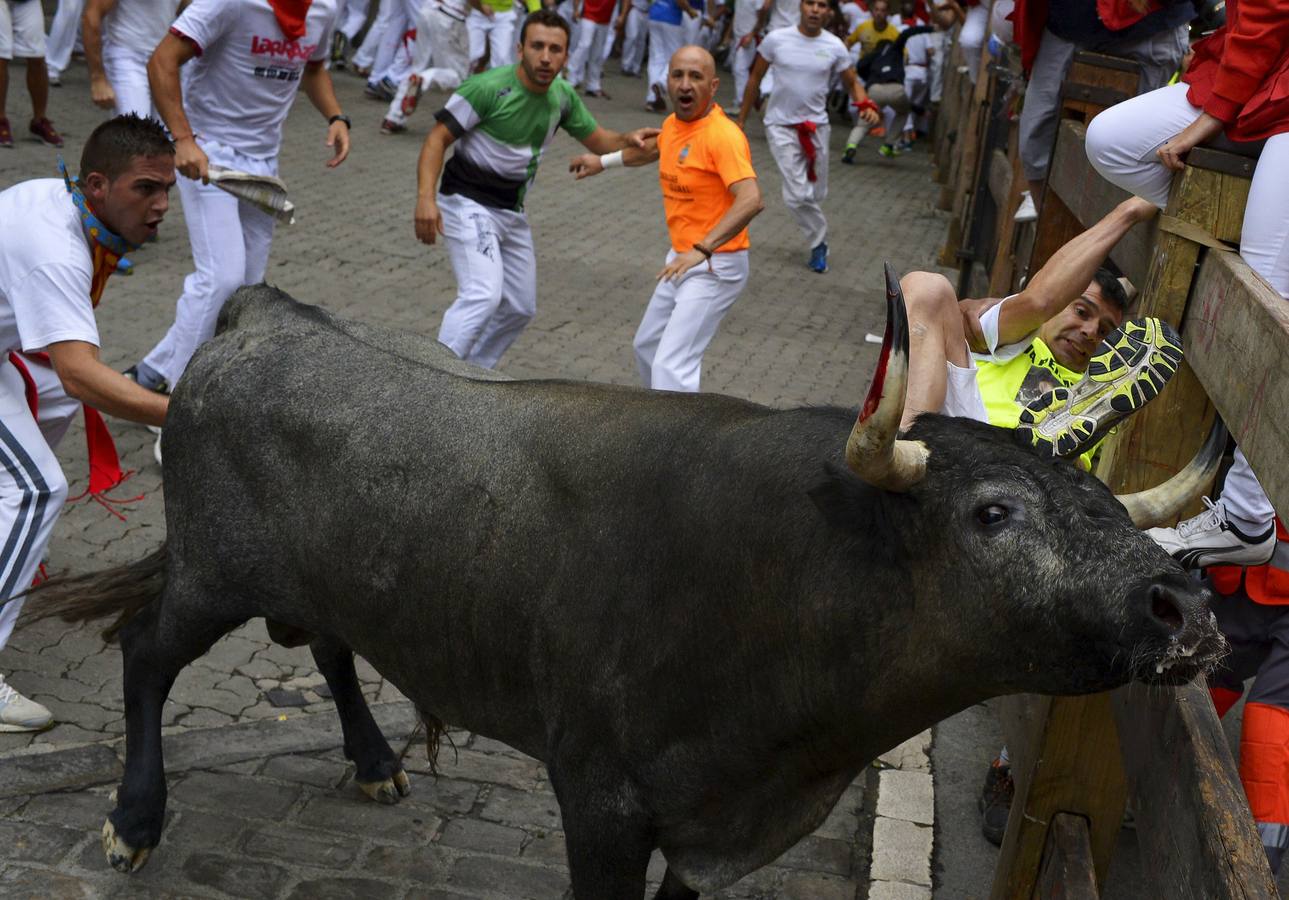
936, 337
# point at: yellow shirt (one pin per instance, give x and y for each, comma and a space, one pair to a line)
868, 36
697, 163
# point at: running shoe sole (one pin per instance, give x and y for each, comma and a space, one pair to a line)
1129, 370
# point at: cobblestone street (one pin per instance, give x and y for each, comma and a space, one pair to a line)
261, 799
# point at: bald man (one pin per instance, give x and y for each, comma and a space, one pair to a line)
709, 194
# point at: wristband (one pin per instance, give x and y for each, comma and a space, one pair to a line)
703, 250
611, 160
867, 104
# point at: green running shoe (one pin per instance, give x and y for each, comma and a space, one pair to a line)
1129, 369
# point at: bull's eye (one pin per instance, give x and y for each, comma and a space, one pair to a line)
993, 514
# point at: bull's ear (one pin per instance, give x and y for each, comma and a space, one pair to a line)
840, 497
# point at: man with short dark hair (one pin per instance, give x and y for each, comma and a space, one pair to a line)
501, 122
74, 233
709, 194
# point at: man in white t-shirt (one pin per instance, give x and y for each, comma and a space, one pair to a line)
120, 36
52, 273
443, 39
243, 61
806, 59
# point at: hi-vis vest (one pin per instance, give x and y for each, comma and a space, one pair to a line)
1267, 584
1007, 387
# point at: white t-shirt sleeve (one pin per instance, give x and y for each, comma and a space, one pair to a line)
52, 304
989, 328
841, 58
204, 21
322, 52
769, 46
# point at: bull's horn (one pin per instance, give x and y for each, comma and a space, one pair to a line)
1164, 503
873, 450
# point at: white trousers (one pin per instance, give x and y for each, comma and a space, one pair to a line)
634, 35
393, 56
664, 40
915, 88
565, 10
1121, 145
681, 320
741, 63
63, 32
972, 37
365, 58
352, 17
496, 269
443, 40
230, 247
22, 30
32, 486
497, 35
802, 197
127, 72
586, 65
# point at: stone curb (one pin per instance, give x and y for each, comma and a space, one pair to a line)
38, 771
902, 829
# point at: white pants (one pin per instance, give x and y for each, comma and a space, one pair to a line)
802, 197
443, 40
352, 18
741, 63
394, 56
681, 320
32, 486
972, 37
127, 72
664, 40
365, 58
565, 10
634, 34
496, 35
1121, 145
586, 65
22, 30
63, 32
230, 247
915, 88
496, 269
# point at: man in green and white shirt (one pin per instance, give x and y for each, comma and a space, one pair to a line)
501, 122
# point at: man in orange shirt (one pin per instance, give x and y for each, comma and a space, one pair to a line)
709, 194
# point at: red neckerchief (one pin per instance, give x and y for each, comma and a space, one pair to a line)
290, 15
105, 463
806, 134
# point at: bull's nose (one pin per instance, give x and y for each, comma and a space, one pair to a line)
1164, 609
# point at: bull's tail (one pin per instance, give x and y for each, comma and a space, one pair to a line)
122, 592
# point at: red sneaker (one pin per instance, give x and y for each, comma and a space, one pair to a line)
6, 134
45, 130
413, 94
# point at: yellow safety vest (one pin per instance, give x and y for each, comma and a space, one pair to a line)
1007, 387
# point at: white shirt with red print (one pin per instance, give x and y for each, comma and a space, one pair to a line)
239, 88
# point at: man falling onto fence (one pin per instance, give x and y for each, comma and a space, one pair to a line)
806, 59
710, 194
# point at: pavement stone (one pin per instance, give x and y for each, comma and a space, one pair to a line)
489, 826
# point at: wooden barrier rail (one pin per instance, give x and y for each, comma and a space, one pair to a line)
1195, 831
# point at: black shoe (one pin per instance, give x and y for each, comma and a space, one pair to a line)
849, 156
996, 802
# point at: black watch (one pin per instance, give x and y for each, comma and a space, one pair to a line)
341, 118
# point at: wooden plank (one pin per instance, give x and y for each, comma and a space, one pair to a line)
1056, 225
1067, 872
1089, 197
1221, 161
1237, 340
1002, 272
1066, 763
1194, 830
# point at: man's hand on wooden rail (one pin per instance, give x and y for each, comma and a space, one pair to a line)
1203, 129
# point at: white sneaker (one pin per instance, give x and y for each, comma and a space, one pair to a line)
156, 448
17, 713
1210, 539
1027, 211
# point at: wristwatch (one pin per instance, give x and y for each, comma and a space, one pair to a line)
341, 118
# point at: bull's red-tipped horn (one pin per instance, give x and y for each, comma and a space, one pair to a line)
873, 450
1162, 504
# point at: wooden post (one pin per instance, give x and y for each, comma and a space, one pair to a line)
1067, 862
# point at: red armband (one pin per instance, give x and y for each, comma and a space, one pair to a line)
866, 104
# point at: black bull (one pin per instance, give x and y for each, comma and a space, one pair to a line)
690, 607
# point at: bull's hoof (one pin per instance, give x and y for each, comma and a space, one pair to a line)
120, 855
389, 790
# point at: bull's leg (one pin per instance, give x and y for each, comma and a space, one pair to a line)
673, 888
379, 772
606, 830
150, 666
